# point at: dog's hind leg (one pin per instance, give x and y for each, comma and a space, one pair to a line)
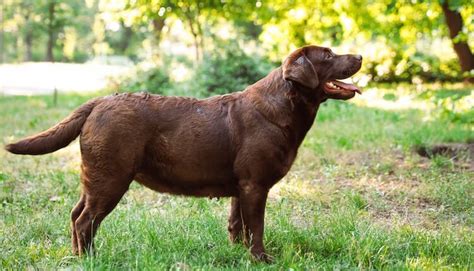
235, 221
102, 194
75, 213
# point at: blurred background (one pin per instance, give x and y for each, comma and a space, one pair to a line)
222, 46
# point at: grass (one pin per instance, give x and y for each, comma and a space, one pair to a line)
358, 197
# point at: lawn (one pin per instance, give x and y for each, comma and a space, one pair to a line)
358, 197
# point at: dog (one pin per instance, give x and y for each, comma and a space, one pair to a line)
236, 145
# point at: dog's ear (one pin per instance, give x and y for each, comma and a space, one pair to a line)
298, 68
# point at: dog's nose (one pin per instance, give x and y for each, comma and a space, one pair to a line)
358, 57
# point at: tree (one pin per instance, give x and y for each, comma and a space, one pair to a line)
455, 25
193, 13
26, 9
2, 42
401, 28
51, 29
56, 16
19, 17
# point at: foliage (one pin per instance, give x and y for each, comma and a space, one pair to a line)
400, 40
224, 70
31, 24
229, 69
453, 106
154, 80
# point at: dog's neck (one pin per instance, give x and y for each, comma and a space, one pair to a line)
274, 85
285, 103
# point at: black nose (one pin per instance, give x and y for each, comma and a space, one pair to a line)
358, 57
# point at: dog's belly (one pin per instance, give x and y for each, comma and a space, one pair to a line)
165, 183
194, 176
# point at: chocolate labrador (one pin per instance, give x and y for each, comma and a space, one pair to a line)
237, 145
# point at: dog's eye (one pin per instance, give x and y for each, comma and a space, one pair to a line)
328, 55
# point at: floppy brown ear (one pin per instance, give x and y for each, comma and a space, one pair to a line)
298, 68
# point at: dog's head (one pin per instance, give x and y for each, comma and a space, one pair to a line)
317, 68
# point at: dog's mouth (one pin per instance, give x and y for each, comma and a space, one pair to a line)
335, 87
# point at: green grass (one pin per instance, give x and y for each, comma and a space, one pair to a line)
358, 197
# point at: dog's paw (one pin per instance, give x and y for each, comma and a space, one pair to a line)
262, 257
235, 232
235, 238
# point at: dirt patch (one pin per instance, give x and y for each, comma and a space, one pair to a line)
451, 150
393, 183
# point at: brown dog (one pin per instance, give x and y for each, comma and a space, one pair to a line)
237, 145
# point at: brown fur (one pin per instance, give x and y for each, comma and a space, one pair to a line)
237, 145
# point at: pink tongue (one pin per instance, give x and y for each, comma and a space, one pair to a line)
346, 86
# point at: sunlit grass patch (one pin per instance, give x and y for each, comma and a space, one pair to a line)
451, 103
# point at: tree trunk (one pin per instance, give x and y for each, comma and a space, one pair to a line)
200, 31
29, 45
194, 33
158, 25
51, 34
2, 47
125, 38
455, 25
196, 42
28, 37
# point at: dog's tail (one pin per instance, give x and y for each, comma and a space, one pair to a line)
56, 137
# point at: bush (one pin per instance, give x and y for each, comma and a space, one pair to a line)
229, 69
225, 69
424, 67
155, 80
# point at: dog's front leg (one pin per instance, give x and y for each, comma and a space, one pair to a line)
252, 201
